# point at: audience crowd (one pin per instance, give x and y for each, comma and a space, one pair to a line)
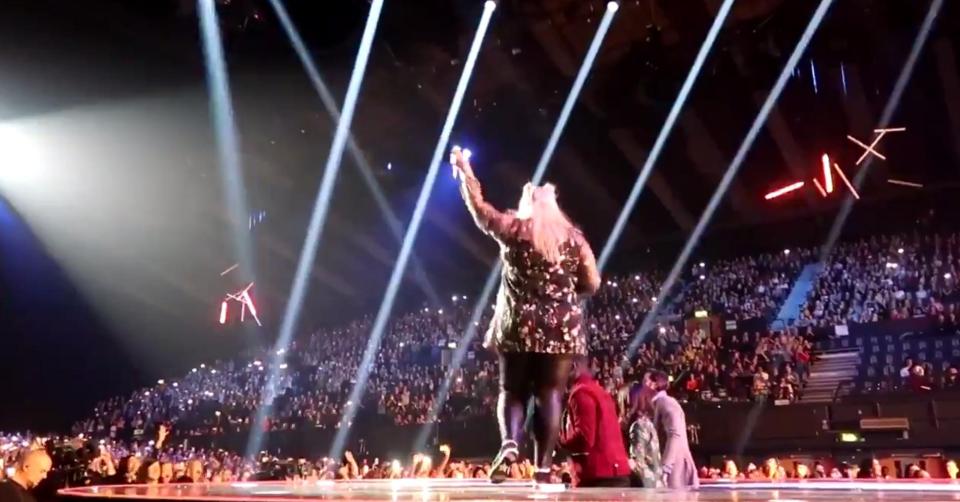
888, 277
79, 461
745, 288
872, 280
317, 375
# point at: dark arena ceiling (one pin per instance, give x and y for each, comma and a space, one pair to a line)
126, 79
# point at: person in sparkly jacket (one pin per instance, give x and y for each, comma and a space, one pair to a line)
548, 268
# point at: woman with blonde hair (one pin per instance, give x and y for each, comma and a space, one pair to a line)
548, 267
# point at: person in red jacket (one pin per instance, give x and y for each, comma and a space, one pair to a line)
591, 432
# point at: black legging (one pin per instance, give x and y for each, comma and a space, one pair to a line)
543, 377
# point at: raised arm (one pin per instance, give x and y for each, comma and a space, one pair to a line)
488, 218
445, 451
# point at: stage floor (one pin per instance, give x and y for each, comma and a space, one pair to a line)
443, 490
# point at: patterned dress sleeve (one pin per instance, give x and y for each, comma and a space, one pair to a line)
645, 451
491, 221
653, 455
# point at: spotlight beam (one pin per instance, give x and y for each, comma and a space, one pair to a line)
463, 346
664, 134
484, 298
226, 135
366, 172
574, 94
386, 306
728, 176
919, 42
317, 219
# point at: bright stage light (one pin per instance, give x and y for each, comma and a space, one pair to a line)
613, 6
225, 134
321, 205
574, 94
665, 131
386, 305
21, 159
490, 4
360, 161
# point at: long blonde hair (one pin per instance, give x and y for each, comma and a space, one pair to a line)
550, 228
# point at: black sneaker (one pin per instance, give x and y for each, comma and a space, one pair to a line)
500, 469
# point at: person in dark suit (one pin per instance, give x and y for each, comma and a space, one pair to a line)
592, 433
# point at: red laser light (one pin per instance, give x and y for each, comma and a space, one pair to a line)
871, 149
905, 183
819, 187
846, 182
785, 190
827, 175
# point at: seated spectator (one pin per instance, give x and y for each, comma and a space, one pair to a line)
950, 378
918, 381
730, 470
906, 370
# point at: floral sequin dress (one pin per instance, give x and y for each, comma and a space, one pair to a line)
645, 452
538, 306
